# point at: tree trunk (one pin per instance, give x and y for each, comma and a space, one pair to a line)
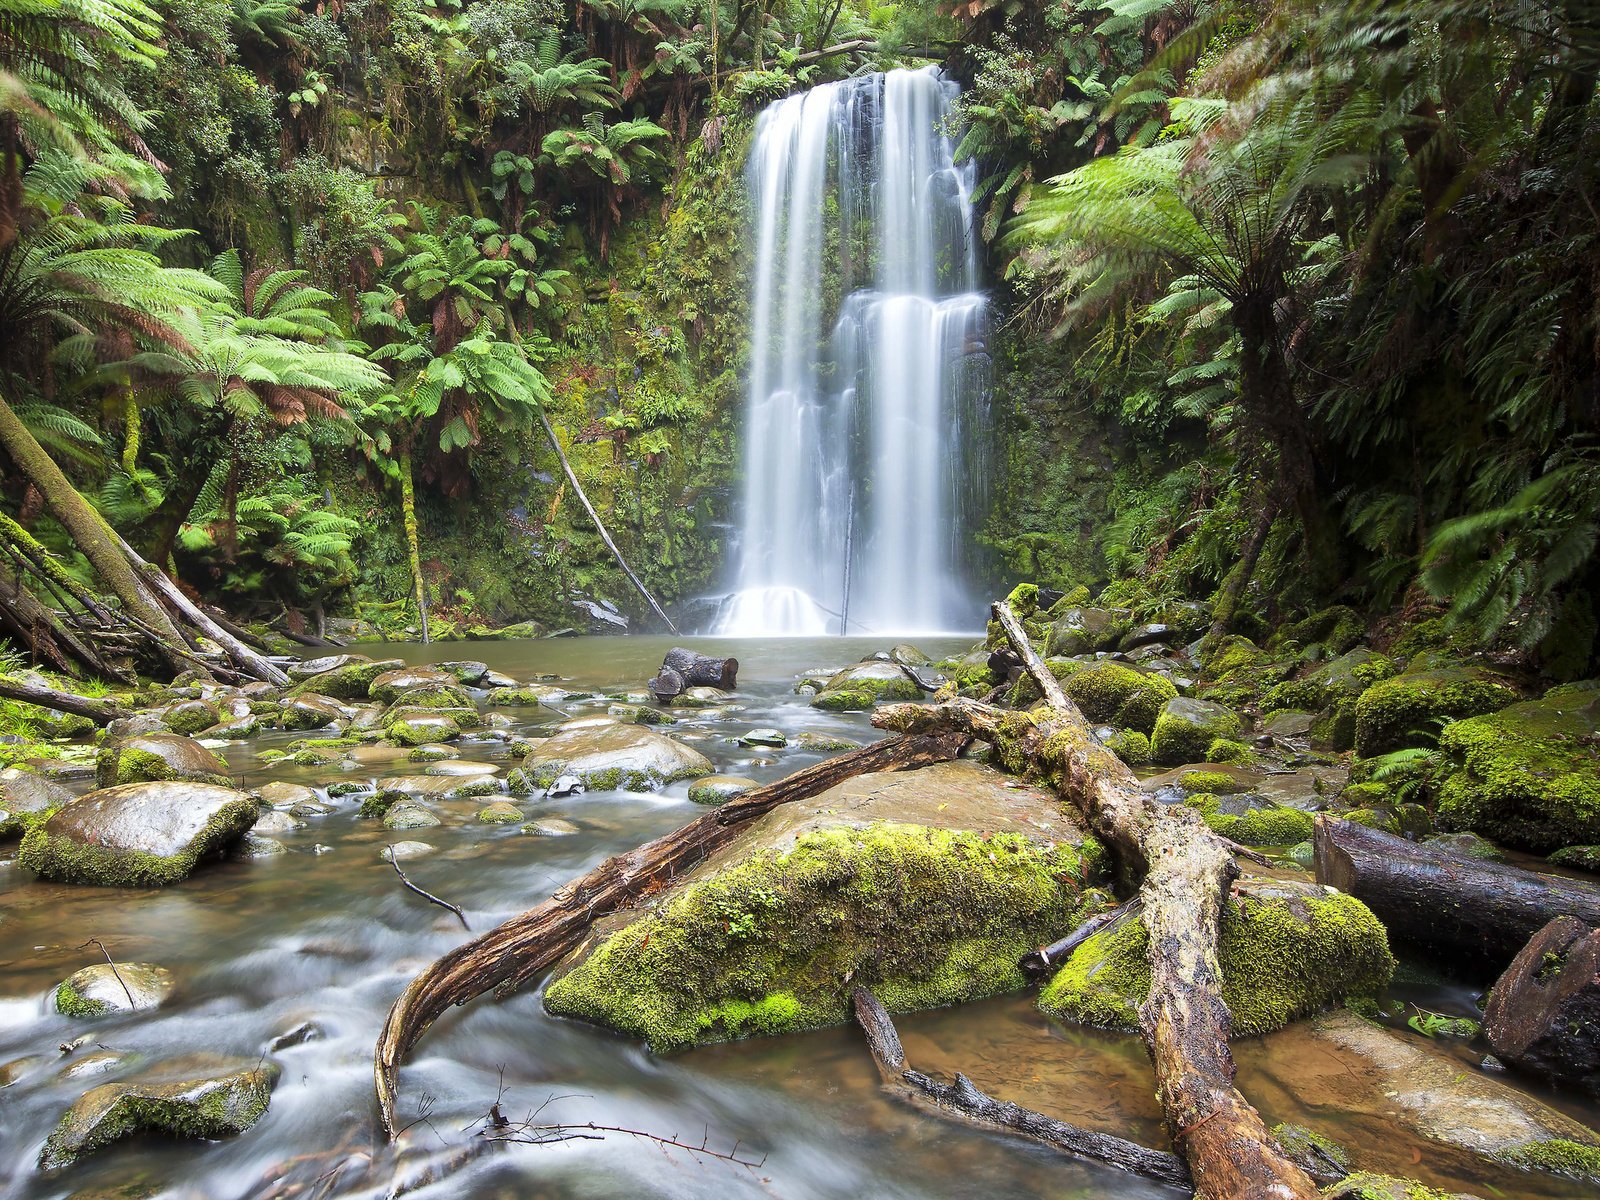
408, 514
99, 711
130, 431
1472, 912
1543, 1015
600, 525
1244, 570
90, 534
1187, 870
513, 954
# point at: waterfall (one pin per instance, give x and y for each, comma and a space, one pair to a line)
865, 433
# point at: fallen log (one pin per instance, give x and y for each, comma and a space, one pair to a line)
1477, 913
1543, 1015
100, 711
964, 1101
1186, 872
681, 669
518, 951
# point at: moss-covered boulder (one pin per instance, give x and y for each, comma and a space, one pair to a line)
137, 834
309, 667
388, 686
614, 756
309, 710
26, 798
350, 680
1185, 729
528, 695
1237, 672
1577, 858
1528, 775
931, 907
421, 728
1081, 630
865, 684
199, 1097
1331, 692
1120, 695
1253, 820
1323, 634
1403, 711
146, 757
102, 989
1286, 950
189, 716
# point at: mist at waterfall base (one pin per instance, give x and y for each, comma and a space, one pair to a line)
865, 440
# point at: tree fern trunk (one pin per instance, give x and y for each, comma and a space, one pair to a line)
130, 432
408, 510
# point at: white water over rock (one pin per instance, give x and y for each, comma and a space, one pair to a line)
865, 461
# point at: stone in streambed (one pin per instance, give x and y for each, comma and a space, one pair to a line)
614, 756
285, 795
422, 729
407, 681
189, 716
719, 789
137, 834
26, 799
351, 681
405, 851
409, 816
859, 687
550, 827
311, 711
1185, 729
773, 738
200, 1097
99, 990
158, 756
501, 812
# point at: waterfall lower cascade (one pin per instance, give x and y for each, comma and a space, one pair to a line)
865, 454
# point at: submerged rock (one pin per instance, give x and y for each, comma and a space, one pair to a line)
550, 827
405, 851
1287, 950
197, 1097
137, 834
98, 990
614, 756
931, 907
158, 756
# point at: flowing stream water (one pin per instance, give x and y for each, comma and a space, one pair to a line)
323, 938
865, 459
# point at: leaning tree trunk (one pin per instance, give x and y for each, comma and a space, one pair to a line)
408, 514
605, 535
90, 534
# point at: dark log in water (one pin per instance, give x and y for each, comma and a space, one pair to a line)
963, 1100
1478, 913
1544, 1013
682, 669
513, 954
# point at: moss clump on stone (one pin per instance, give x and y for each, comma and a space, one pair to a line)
1270, 826
1580, 858
1229, 751
70, 1002
1218, 783
1111, 693
1364, 1185
1557, 1156
1186, 729
1309, 1148
1286, 951
1131, 746
421, 731
1025, 692
775, 943
1402, 711
1527, 776
1333, 631
69, 860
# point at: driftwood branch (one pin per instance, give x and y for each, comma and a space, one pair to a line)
963, 1100
1043, 962
511, 955
100, 711
426, 895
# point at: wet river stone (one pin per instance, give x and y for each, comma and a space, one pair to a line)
614, 756
926, 886
158, 756
865, 684
98, 990
350, 681
26, 799
199, 1097
501, 812
419, 729
391, 685
312, 711
409, 816
719, 789
137, 834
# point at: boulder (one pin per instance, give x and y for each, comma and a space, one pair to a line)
144, 757
1527, 776
614, 756
26, 799
235, 729
528, 695
391, 685
137, 834
501, 812
352, 681
1119, 695
189, 716
405, 851
1185, 729
1083, 631
719, 789
866, 683
285, 795
700, 697
908, 655
550, 827
420, 729
1544, 1012
823, 743
1399, 712
1253, 820
409, 816
926, 886
1286, 950
467, 671
311, 711
200, 1097
319, 666
764, 737
1331, 691
98, 990
438, 787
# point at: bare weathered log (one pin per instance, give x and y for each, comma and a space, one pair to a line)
1478, 913
100, 711
511, 955
963, 1100
1543, 1015
1186, 872
681, 668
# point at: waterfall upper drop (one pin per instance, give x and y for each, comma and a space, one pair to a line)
865, 455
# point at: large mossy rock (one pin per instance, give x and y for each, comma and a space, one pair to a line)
350, 680
26, 799
1110, 693
421, 681
137, 834
1397, 712
1083, 631
102, 989
865, 684
1185, 729
147, 757
1286, 950
926, 886
614, 756
199, 1097
1528, 775
1331, 691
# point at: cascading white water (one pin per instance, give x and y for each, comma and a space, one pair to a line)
864, 453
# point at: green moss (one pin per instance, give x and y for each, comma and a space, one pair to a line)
70, 1002
128, 764
1363, 1185
403, 733
1274, 826
1582, 858
1186, 729
1286, 951
68, 861
1025, 692
1024, 600
1557, 1156
925, 917
1111, 693
1227, 750
1332, 631
1527, 776
1373, 818
844, 699
1403, 711
1219, 783
1131, 746
1307, 1146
